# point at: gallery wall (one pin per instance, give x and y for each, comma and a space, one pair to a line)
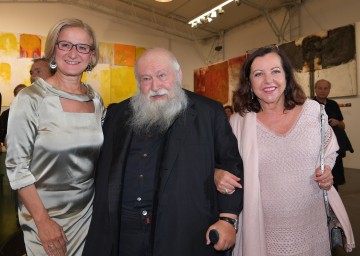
36, 19
315, 16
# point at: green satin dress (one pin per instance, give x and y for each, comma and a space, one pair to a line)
57, 151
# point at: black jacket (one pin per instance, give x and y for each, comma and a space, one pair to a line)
187, 202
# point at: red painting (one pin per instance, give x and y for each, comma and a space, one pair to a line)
213, 82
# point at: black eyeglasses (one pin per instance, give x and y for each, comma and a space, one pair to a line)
274, 47
67, 46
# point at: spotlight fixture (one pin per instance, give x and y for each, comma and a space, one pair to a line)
213, 13
220, 11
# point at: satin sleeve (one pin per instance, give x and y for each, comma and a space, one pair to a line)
21, 135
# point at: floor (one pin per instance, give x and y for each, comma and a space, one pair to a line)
10, 231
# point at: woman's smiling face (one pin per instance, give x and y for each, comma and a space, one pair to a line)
73, 62
267, 78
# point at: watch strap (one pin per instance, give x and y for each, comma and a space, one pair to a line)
233, 222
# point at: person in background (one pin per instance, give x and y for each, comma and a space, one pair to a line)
54, 140
336, 120
279, 137
228, 111
155, 192
5, 115
40, 68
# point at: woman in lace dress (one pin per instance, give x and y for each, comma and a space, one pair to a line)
54, 139
279, 138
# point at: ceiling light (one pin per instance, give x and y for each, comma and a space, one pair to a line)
220, 11
209, 15
238, 2
163, 1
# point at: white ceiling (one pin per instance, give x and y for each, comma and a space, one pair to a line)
173, 17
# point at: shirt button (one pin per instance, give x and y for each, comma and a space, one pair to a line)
145, 155
144, 213
138, 199
141, 176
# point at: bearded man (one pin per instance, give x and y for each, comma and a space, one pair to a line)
155, 191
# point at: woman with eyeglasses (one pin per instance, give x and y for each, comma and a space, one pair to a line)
279, 137
54, 139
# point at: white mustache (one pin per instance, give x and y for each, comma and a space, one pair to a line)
158, 93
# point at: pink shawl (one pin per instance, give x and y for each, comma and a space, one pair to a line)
250, 239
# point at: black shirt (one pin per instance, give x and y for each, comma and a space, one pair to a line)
140, 172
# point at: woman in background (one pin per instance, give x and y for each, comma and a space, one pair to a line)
54, 139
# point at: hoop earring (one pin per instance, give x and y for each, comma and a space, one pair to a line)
53, 64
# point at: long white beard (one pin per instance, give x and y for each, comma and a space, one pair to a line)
156, 116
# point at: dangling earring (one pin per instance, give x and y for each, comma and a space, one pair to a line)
53, 64
88, 68
252, 93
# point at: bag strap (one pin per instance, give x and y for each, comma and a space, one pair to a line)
322, 158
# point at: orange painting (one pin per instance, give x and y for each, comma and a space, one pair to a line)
124, 55
30, 46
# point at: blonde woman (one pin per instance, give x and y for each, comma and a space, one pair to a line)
54, 140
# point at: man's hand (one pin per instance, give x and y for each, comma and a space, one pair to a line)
227, 235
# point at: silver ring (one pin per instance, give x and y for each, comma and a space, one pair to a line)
226, 191
51, 245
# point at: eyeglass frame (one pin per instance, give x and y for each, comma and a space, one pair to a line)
76, 47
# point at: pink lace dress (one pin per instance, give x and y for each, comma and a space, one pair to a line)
294, 213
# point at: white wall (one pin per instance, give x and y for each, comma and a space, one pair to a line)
316, 15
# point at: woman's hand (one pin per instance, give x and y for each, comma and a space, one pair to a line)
226, 182
52, 237
325, 180
51, 234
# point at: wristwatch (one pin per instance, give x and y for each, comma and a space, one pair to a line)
233, 222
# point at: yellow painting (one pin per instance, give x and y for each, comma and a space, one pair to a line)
99, 80
13, 71
106, 53
123, 83
139, 51
30, 46
9, 45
